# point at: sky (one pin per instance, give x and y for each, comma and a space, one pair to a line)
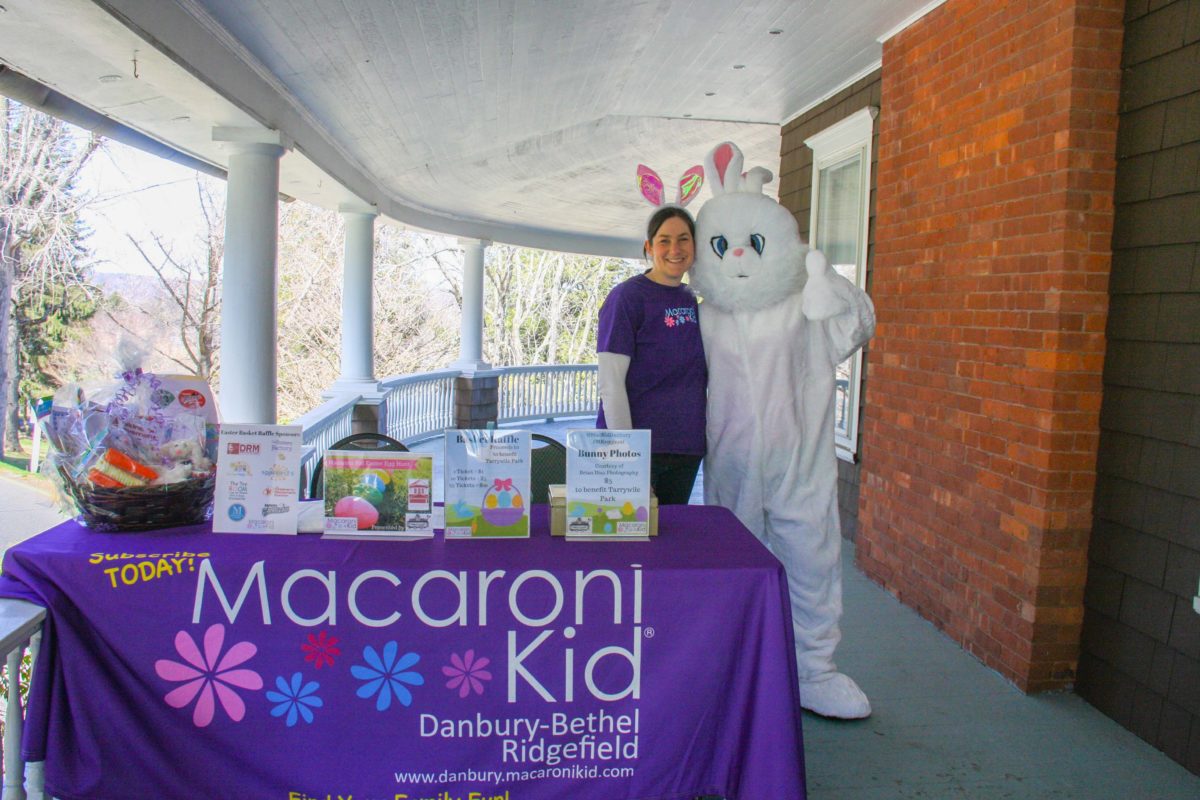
138, 195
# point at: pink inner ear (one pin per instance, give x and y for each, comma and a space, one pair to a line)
721, 159
650, 185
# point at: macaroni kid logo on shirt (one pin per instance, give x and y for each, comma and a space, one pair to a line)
674, 317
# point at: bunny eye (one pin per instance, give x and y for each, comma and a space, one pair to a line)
719, 245
757, 242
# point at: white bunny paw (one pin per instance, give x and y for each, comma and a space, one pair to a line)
820, 300
816, 264
834, 695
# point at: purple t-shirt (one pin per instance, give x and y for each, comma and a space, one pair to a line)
658, 328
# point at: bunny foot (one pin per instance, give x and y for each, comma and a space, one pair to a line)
834, 695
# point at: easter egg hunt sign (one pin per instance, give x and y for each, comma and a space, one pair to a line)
378, 495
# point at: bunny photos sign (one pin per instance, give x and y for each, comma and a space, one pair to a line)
608, 484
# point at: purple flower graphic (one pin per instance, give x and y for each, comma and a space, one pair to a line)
209, 676
467, 673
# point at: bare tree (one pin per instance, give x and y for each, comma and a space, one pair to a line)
541, 307
191, 285
416, 323
40, 242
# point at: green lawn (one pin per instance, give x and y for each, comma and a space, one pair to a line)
18, 463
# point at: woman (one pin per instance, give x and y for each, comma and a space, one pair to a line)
652, 370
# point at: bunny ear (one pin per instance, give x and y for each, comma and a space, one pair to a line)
689, 185
754, 179
650, 185
724, 165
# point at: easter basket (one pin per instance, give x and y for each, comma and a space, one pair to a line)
141, 508
136, 453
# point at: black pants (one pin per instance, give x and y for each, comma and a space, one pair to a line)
672, 476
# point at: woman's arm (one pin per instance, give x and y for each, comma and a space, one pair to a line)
611, 377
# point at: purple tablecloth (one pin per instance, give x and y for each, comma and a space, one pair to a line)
183, 663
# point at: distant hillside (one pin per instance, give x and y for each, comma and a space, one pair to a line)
133, 287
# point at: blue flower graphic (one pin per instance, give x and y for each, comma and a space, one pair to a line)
385, 675
294, 699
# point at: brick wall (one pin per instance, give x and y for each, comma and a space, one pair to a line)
1141, 636
993, 226
795, 193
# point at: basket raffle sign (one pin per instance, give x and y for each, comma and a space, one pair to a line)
258, 479
487, 484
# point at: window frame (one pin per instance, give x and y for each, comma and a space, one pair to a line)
832, 146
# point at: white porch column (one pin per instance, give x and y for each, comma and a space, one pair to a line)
470, 355
248, 287
358, 300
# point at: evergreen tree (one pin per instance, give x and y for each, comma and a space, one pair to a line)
42, 251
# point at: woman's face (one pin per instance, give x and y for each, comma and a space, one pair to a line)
672, 252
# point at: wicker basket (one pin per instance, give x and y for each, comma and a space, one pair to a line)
142, 508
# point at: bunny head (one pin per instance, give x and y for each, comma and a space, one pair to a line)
749, 254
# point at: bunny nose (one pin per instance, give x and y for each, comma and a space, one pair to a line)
738, 251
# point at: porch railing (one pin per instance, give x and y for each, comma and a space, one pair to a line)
20, 636
545, 392
420, 405
324, 425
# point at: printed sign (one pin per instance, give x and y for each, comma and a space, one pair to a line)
378, 494
608, 484
487, 484
258, 479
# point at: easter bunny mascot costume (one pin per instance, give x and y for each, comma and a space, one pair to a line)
776, 322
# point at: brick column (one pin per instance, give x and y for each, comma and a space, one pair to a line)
994, 207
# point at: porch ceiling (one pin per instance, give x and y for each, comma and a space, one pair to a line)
515, 120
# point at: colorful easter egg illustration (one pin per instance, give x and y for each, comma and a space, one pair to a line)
370, 488
382, 474
502, 505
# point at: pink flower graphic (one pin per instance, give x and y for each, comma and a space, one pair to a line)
467, 673
208, 675
669, 320
321, 649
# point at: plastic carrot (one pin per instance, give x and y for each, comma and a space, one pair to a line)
108, 476
127, 464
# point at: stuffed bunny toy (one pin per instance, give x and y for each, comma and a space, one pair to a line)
776, 321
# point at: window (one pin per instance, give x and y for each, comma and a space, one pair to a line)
841, 195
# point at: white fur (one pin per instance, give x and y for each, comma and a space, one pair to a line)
775, 326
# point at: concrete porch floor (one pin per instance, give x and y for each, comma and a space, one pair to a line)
944, 725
